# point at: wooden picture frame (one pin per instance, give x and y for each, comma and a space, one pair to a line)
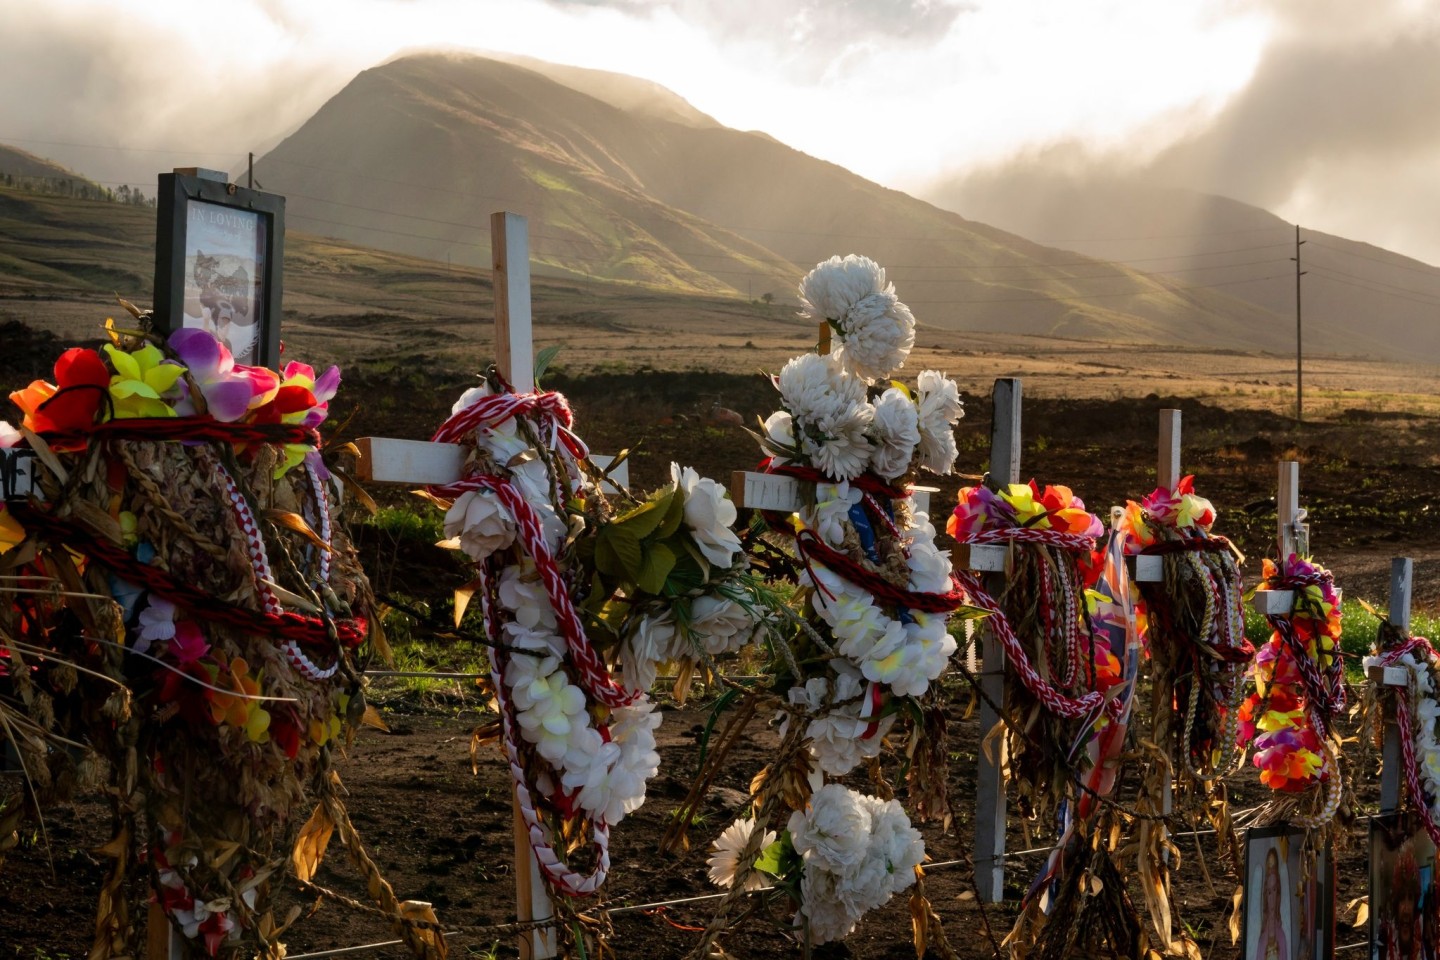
1300, 907
219, 252
1402, 856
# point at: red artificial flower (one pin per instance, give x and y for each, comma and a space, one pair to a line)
82, 382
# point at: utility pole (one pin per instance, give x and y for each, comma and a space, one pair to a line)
250, 173
1299, 369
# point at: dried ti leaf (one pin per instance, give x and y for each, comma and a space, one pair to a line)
311, 843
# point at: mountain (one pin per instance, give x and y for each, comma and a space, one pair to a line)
625, 182
24, 168
1355, 298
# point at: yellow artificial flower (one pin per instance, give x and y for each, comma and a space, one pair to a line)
141, 380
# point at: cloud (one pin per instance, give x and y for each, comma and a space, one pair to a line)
811, 39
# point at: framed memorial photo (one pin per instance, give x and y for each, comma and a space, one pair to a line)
1404, 912
218, 254
1289, 897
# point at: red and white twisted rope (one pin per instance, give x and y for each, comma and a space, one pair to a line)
254, 542
1087, 705
551, 410
568, 881
1391, 658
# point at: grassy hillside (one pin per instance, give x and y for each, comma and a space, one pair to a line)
1356, 298
414, 155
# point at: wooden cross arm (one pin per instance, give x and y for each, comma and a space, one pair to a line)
422, 463
1274, 603
1386, 676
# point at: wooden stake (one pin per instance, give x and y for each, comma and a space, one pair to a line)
1167, 473
162, 941
822, 340
990, 781
510, 262
1402, 571
1289, 534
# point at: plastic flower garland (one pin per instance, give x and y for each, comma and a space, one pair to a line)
189, 489
1194, 628
1417, 712
658, 582
1299, 681
869, 636
1054, 660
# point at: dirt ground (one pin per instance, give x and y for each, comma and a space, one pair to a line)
443, 835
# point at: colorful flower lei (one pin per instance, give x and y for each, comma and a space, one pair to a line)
1205, 658
1299, 684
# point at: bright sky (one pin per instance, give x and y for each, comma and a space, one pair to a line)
900, 91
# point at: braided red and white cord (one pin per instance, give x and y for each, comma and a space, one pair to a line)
1390, 658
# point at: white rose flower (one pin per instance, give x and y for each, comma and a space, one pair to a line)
709, 515
722, 625
650, 643
724, 861
780, 431
834, 831
940, 410
896, 432
469, 397
481, 523
876, 331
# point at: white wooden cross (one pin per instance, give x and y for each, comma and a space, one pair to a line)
1402, 571
384, 460
1292, 534
763, 491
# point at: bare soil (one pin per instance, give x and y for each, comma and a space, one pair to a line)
442, 834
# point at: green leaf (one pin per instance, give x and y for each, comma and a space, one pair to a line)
673, 516
642, 521
775, 858
607, 561
627, 550
967, 612
721, 702
699, 558
659, 561
544, 358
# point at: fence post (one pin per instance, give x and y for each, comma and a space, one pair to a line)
990, 781
1402, 571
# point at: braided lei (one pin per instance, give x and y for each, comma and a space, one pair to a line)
1417, 712
1299, 687
224, 663
1205, 651
660, 582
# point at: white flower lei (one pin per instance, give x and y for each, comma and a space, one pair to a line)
1425, 710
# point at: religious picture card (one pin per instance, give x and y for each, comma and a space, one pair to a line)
1289, 897
1404, 914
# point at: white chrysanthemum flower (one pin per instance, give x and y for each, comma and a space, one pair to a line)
813, 385
523, 593
830, 517
896, 432
837, 442
834, 831
720, 624
724, 861
940, 409
481, 523
652, 642
820, 904
876, 331
709, 513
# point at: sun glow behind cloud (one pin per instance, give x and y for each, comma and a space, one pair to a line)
901, 91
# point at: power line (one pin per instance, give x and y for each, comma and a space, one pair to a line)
1096, 296
1379, 283
1384, 293
1423, 268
